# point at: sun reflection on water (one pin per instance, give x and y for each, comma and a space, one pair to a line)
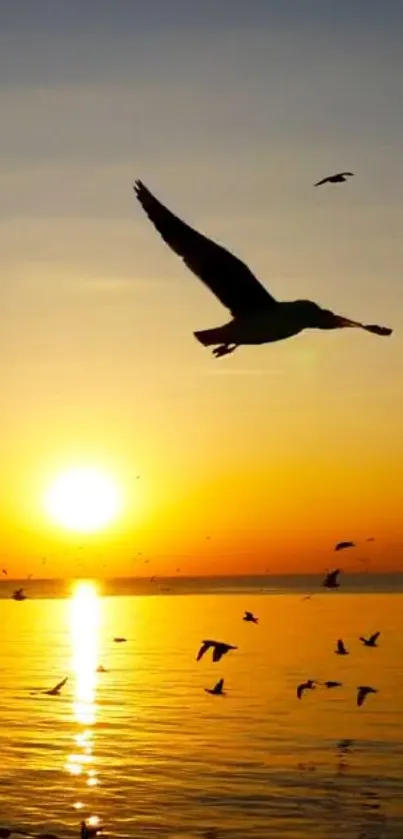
84, 628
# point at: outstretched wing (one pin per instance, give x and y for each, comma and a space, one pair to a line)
361, 694
323, 181
226, 275
61, 684
300, 690
203, 649
219, 686
374, 637
248, 615
340, 646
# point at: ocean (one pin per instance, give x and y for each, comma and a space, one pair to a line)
146, 750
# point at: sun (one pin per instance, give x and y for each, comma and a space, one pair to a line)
83, 499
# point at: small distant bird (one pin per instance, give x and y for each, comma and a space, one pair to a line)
371, 539
330, 580
257, 318
339, 178
56, 690
101, 669
341, 546
371, 641
152, 579
219, 649
362, 693
120, 640
249, 617
19, 594
217, 690
341, 650
331, 684
4, 571
310, 684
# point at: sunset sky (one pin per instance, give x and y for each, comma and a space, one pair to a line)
229, 111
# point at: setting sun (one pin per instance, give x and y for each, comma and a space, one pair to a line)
83, 499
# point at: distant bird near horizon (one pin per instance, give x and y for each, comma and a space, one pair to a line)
341, 546
19, 595
217, 690
310, 684
4, 571
101, 669
119, 640
338, 178
341, 649
249, 617
219, 649
362, 693
57, 688
331, 580
329, 684
257, 318
371, 641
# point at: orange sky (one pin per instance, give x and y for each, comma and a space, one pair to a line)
275, 452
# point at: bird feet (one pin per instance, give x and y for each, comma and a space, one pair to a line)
224, 349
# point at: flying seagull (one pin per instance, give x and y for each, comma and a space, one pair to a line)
371, 641
18, 594
249, 617
119, 640
341, 650
331, 684
362, 693
57, 688
330, 580
339, 178
217, 690
257, 318
219, 649
341, 546
308, 685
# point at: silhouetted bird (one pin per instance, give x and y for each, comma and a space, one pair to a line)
120, 640
4, 571
371, 641
330, 580
341, 650
56, 690
339, 178
217, 690
371, 539
362, 693
341, 546
308, 685
257, 318
331, 684
249, 617
101, 669
19, 594
219, 649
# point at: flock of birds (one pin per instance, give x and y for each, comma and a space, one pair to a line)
257, 318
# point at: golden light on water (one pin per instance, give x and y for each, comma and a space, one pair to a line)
85, 614
83, 499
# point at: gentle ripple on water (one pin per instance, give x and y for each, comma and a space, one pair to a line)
148, 751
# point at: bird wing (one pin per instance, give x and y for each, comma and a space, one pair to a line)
361, 694
323, 181
350, 174
300, 690
340, 646
219, 686
374, 637
248, 615
219, 651
203, 649
61, 684
226, 275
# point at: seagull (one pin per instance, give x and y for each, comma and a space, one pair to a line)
362, 692
119, 640
339, 178
101, 669
330, 580
249, 617
257, 318
308, 685
219, 650
341, 546
331, 684
18, 594
341, 650
217, 690
371, 641
4, 571
57, 688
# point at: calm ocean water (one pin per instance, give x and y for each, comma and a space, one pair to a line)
145, 749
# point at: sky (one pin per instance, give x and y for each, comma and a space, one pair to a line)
229, 112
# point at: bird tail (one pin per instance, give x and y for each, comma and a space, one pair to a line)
209, 337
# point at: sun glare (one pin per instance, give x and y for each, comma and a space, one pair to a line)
83, 499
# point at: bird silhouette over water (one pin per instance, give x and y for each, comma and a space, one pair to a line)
119, 640
53, 691
362, 693
371, 641
341, 649
257, 318
219, 649
19, 594
217, 690
310, 684
329, 684
331, 580
339, 178
249, 617
341, 546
